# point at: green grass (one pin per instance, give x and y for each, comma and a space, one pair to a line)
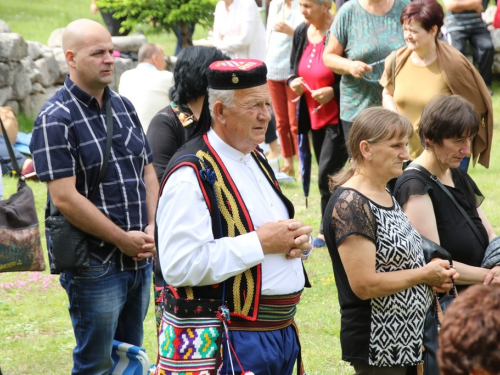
36, 336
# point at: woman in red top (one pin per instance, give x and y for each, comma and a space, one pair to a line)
318, 86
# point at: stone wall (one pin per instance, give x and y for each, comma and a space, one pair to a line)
31, 72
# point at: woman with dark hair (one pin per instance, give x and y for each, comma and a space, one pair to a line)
427, 67
186, 115
383, 282
318, 108
446, 128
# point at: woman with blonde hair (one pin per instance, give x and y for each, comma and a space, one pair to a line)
384, 285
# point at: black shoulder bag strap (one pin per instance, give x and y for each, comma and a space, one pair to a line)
11, 150
109, 126
460, 208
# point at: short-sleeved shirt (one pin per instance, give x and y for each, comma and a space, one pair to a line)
415, 86
369, 38
466, 20
455, 234
169, 130
69, 139
382, 331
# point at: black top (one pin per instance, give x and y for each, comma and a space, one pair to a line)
166, 133
455, 234
382, 331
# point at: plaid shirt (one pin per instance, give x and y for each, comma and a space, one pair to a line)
69, 139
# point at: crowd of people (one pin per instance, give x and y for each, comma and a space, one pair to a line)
187, 194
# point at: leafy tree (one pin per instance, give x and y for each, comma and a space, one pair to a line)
155, 16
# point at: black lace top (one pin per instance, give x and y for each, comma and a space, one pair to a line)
383, 331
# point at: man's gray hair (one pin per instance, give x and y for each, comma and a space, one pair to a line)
224, 96
147, 51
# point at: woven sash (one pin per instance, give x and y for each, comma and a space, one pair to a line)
275, 312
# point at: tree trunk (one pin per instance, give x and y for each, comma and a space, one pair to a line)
187, 34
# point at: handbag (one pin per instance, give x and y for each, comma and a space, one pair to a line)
190, 335
20, 244
69, 246
434, 315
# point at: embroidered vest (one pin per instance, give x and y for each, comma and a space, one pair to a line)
230, 218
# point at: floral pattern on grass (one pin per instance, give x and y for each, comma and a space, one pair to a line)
14, 286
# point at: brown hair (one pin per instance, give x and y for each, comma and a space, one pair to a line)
447, 117
428, 13
470, 335
373, 125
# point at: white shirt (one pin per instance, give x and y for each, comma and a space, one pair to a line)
240, 32
190, 256
147, 88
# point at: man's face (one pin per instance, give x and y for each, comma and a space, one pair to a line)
93, 62
245, 124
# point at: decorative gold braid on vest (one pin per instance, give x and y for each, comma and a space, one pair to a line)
235, 227
233, 219
264, 169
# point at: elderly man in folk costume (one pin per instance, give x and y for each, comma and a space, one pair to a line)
229, 247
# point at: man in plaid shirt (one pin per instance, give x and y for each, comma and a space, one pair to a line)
109, 300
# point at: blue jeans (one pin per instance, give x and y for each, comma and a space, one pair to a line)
105, 304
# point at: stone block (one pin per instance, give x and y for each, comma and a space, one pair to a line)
12, 47
5, 94
37, 87
13, 105
4, 27
49, 69
32, 104
6, 75
496, 67
121, 65
495, 37
61, 62
129, 43
22, 83
55, 38
36, 50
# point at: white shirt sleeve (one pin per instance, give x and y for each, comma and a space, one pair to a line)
188, 252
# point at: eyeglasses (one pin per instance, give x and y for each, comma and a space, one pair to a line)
376, 73
306, 86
